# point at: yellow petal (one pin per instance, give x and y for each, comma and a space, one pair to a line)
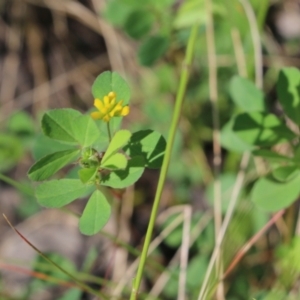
117, 108
112, 95
125, 111
106, 101
96, 115
104, 110
112, 101
98, 104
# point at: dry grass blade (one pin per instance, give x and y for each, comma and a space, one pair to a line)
73, 9
184, 253
60, 82
38, 275
154, 244
111, 39
12, 60
80, 284
165, 276
121, 256
252, 241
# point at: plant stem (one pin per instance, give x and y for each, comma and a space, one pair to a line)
175, 118
262, 13
254, 30
108, 131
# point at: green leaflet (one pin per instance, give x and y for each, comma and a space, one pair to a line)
261, 129
288, 92
246, 95
95, 215
149, 144
123, 178
111, 82
57, 193
50, 164
70, 126
271, 195
119, 140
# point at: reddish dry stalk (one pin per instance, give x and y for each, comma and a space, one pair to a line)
251, 242
38, 275
79, 284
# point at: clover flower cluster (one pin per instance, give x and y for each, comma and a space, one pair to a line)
109, 107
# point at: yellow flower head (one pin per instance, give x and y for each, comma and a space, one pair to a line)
109, 107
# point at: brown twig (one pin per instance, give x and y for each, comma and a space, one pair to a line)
38, 275
251, 242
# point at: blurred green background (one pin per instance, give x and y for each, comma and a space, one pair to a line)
50, 54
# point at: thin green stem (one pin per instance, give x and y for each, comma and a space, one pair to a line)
108, 131
175, 118
262, 13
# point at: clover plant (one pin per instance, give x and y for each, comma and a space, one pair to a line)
106, 155
259, 131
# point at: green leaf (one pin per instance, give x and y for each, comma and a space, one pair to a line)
174, 238
152, 49
149, 144
50, 164
117, 12
170, 290
190, 12
139, 23
85, 130
261, 129
162, 4
246, 95
288, 264
271, 156
44, 145
296, 157
124, 178
193, 11
57, 193
271, 195
115, 161
285, 173
71, 294
58, 124
288, 90
196, 271
49, 269
68, 125
111, 82
230, 141
118, 141
95, 215
87, 175
21, 123
10, 151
